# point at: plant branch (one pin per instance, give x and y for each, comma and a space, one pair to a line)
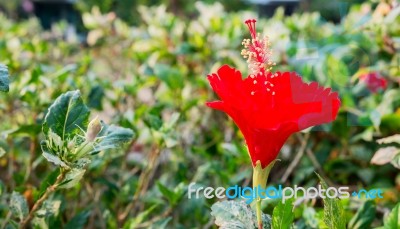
155, 219
32, 150
40, 201
318, 166
296, 160
144, 179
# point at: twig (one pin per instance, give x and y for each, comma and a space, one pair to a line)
144, 180
11, 164
96, 196
296, 160
316, 164
155, 219
209, 224
32, 149
40, 201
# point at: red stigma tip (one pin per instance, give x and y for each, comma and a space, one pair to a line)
251, 23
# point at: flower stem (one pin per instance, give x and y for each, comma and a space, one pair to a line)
260, 177
40, 201
258, 211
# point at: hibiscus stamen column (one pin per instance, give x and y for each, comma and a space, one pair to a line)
258, 54
268, 106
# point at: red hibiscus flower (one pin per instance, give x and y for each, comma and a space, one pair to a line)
269, 107
374, 81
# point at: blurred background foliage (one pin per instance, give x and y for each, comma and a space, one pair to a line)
143, 66
127, 10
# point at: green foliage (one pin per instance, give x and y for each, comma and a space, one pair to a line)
133, 223
78, 221
18, 206
237, 214
66, 117
149, 81
2, 152
388, 154
127, 9
67, 144
4, 81
334, 215
393, 220
364, 216
112, 137
72, 178
282, 216
173, 196
49, 210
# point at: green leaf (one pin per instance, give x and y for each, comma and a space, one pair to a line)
95, 97
364, 216
67, 115
50, 157
384, 155
78, 221
396, 161
72, 178
375, 117
2, 188
334, 216
161, 224
337, 70
393, 220
170, 75
49, 208
25, 130
171, 195
4, 81
2, 152
132, 223
48, 181
237, 214
166, 192
39, 222
81, 163
18, 205
113, 137
282, 216
153, 121
390, 124
391, 139
310, 217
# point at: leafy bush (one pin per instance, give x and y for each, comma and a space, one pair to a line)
150, 80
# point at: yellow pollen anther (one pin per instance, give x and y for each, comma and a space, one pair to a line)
258, 53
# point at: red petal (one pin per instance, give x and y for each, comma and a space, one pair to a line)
218, 105
305, 104
226, 83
